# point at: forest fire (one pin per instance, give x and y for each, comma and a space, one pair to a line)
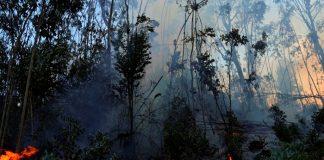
26, 153
159, 79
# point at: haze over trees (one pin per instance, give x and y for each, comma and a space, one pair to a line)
107, 79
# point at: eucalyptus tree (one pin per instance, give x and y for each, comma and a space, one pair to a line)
38, 58
193, 23
48, 29
202, 82
248, 16
292, 44
233, 39
282, 44
309, 11
13, 27
132, 57
108, 16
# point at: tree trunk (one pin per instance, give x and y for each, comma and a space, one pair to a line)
30, 69
309, 20
317, 47
23, 113
109, 54
9, 93
108, 22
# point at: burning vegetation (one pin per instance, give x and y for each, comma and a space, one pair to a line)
99, 79
27, 153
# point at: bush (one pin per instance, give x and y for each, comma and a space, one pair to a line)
291, 152
284, 132
318, 120
65, 145
99, 147
182, 138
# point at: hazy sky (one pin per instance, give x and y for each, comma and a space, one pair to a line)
171, 17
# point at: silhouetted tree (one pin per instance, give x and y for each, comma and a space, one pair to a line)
132, 57
232, 39
285, 132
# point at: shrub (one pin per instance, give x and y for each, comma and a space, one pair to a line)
284, 132
182, 138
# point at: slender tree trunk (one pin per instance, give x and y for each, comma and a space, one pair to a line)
310, 76
109, 54
5, 115
191, 56
132, 145
230, 79
8, 99
295, 78
317, 47
127, 21
248, 97
243, 84
30, 69
131, 108
9, 93
23, 113
109, 23
309, 20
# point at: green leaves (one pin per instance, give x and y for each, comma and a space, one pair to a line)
206, 71
291, 151
54, 16
142, 19
285, 132
131, 63
99, 147
133, 54
234, 38
182, 138
210, 32
146, 23
261, 45
65, 145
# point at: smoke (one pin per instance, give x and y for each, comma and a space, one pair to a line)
91, 105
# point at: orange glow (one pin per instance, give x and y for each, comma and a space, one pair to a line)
229, 157
272, 99
26, 153
312, 83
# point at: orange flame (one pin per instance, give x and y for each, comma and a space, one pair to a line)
26, 153
229, 157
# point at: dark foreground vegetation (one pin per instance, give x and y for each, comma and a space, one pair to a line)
79, 81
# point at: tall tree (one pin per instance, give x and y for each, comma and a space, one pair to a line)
133, 55
15, 19
46, 28
248, 15
36, 59
233, 39
107, 13
309, 13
